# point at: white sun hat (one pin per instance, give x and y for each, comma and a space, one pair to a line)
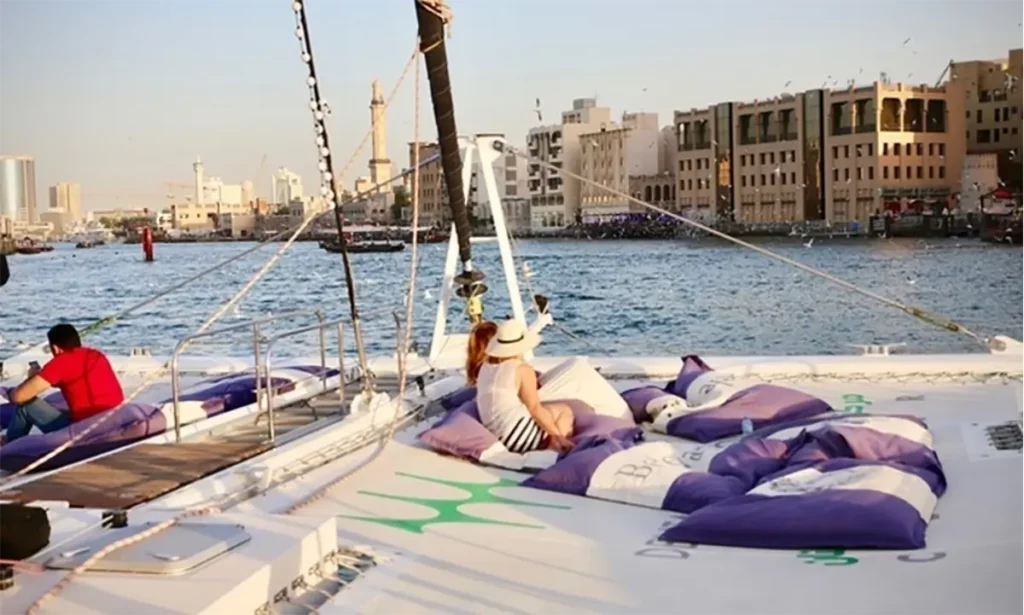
512, 340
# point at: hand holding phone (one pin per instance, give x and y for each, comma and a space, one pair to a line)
34, 368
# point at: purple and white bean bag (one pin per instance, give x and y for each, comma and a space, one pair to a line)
651, 474
843, 503
460, 433
649, 401
136, 420
897, 439
716, 407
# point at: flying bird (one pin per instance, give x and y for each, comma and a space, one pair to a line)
906, 41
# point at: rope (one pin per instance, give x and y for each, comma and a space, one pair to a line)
404, 336
920, 313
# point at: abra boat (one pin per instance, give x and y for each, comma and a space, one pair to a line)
361, 247
857, 480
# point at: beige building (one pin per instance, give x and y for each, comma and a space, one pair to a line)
657, 189
613, 154
433, 194
993, 93
193, 217
820, 155
67, 197
980, 177
59, 220
554, 199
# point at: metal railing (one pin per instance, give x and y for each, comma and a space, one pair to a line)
256, 340
321, 328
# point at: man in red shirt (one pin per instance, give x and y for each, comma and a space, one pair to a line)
84, 377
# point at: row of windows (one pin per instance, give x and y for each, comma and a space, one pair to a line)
702, 163
768, 158
768, 180
1001, 114
992, 136
687, 184
898, 174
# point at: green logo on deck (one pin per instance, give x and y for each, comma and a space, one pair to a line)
828, 557
854, 403
447, 510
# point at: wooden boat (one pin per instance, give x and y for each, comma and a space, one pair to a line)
359, 247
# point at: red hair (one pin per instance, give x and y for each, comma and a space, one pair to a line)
476, 350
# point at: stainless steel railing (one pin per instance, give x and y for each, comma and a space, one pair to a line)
256, 340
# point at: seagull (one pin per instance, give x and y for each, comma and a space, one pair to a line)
427, 294
911, 280
787, 83
809, 243
906, 41
777, 170
536, 109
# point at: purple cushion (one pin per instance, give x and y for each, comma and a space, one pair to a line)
764, 404
131, 422
693, 366
639, 398
461, 433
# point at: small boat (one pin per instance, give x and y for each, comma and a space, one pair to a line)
358, 247
31, 246
89, 244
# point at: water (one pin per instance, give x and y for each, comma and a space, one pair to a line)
655, 297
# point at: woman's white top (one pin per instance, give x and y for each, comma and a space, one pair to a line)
497, 397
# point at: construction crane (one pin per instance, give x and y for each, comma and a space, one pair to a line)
945, 70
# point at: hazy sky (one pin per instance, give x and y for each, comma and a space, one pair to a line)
122, 95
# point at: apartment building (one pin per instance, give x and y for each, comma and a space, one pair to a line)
613, 154
835, 155
554, 198
993, 95
207, 216
433, 194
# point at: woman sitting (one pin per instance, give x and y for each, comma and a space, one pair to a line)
506, 390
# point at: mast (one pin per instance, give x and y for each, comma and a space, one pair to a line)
320, 111
431, 15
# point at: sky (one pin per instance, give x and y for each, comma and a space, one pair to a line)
122, 95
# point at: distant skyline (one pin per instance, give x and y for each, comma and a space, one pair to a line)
121, 95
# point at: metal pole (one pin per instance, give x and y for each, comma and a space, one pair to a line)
175, 391
341, 365
323, 355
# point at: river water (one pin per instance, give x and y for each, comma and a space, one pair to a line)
621, 297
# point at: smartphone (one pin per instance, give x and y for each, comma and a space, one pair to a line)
34, 365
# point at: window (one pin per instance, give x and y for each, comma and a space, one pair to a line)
978, 116
931, 172
782, 178
792, 177
995, 135
846, 174
1013, 130
762, 177
920, 172
762, 158
931, 149
910, 174
942, 149
860, 173
835, 175
689, 185
871, 172
743, 180
772, 178
895, 172
984, 136
942, 172
885, 149
771, 158
682, 165
871, 149
896, 149
835, 152
920, 149
846, 151
885, 172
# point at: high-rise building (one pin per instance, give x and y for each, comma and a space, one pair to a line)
834, 155
993, 93
286, 186
66, 197
18, 189
613, 154
554, 199
433, 192
380, 165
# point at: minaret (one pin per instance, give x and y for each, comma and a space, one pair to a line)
380, 166
197, 166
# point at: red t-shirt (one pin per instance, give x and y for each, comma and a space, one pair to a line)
86, 380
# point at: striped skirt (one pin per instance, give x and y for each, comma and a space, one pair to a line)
525, 435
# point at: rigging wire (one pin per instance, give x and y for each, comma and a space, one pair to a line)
916, 312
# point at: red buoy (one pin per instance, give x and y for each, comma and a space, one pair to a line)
147, 243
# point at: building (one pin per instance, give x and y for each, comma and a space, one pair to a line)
60, 221
554, 199
208, 216
18, 189
285, 187
833, 155
433, 193
613, 154
363, 185
67, 197
980, 177
657, 189
992, 89
380, 165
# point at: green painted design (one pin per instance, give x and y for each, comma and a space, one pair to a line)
447, 510
830, 557
854, 403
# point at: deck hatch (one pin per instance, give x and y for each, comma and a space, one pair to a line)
1005, 437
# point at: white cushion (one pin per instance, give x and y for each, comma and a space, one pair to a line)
710, 389
575, 379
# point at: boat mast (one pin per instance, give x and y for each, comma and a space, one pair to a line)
431, 15
320, 111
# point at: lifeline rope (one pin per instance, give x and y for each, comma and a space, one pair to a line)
914, 311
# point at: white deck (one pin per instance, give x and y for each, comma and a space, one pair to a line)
583, 555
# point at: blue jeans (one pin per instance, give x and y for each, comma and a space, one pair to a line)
39, 413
